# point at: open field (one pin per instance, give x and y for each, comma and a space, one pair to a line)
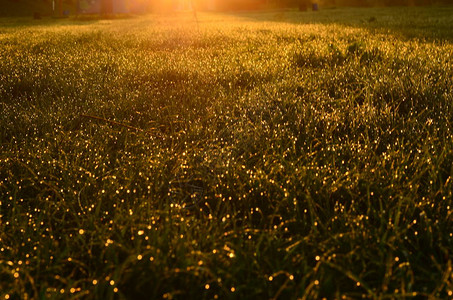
246, 156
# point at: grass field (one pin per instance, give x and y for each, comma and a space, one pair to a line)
247, 156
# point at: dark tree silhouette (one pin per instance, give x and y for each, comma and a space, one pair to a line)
303, 5
106, 6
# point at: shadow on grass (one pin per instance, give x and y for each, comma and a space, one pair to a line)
426, 23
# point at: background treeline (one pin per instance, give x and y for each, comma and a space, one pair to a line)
260, 4
366, 3
382, 2
16, 8
44, 7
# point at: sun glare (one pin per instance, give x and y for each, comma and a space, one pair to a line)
162, 6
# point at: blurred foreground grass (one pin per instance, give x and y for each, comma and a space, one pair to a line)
280, 154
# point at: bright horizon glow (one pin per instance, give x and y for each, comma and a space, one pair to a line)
125, 6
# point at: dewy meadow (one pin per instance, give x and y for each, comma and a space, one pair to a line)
255, 155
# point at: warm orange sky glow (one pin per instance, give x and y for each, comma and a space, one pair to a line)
136, 6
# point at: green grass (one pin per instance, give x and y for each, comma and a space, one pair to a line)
286, 155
